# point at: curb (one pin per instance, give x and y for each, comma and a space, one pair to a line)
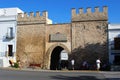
42, 70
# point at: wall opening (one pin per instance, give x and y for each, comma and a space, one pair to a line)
117, 60
55, 58
10, 50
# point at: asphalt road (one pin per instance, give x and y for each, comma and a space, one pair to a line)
6, 74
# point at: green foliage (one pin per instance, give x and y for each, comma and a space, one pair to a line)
16, 65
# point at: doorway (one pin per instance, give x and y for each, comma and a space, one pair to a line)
117, 60
10, 50
55, 58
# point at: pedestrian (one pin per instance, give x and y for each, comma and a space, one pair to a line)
98, 64
73, 63
85, 65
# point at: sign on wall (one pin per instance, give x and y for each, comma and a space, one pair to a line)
58, 37
63, 55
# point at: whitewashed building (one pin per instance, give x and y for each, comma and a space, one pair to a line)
114, 43
8, 28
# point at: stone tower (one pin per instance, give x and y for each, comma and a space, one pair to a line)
89, 35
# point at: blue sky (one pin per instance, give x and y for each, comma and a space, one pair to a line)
60, 10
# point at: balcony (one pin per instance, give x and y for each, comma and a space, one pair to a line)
9, 36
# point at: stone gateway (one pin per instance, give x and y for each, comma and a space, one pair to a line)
84, 39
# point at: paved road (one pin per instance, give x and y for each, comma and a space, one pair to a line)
57, 75
111, 75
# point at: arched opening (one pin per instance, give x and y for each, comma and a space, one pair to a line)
55, 58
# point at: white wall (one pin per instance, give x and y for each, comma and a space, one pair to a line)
113, 31
8, 18
10, 11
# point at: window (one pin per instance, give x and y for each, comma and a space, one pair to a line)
9, 32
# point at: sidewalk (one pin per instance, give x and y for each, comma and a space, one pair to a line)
32, 69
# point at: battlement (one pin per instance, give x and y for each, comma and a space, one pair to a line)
24, 18
89, 15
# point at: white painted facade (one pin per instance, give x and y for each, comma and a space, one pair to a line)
113, 32
8, 28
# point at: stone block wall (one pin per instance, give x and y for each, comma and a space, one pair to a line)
30, 43
89, 42
64, 29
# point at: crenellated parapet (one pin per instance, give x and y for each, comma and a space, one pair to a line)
97, 15
31, 18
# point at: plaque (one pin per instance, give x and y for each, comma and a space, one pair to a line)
58, 37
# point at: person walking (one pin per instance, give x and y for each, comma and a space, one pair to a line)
85, 65
98, 64
73, 63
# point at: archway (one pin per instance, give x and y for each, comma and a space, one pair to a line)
55, 58
47, 56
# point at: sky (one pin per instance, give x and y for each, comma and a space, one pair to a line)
59, 11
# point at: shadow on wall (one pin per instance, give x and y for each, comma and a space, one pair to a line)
89, 53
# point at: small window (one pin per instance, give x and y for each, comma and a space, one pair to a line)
9, 32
